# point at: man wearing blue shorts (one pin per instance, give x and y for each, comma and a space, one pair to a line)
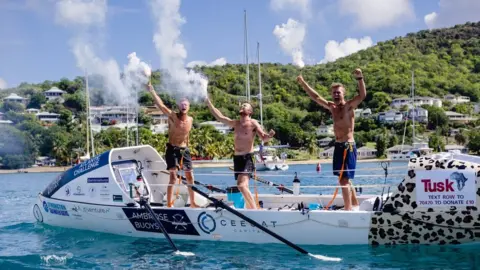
345, 153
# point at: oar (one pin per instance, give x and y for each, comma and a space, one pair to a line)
143, 202
209, 187
254, 223
279, 187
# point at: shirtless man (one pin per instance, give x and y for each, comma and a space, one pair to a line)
345, 152
244, 134
177, 153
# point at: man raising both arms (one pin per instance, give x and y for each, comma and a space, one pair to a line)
177, 153
244, 134
345, 152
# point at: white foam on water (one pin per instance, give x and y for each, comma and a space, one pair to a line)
184, 253
325, 258
56, 260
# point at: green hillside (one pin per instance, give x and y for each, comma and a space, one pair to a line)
444, 60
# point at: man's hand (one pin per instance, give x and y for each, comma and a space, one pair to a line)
358, 74
271, 133
300, 79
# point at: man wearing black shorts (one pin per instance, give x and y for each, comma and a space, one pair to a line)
245, 130
177, 154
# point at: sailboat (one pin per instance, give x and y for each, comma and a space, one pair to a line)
419, 147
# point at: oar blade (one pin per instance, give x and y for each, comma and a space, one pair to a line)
184, 253
324, 258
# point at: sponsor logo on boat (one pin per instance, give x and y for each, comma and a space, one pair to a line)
105, 193
117, 198
97, 180
93, 209
91, 191
87, 165
446, 188
239, 224
206, 223
55, 208
75, 213
67, 191
79, 192
174, 221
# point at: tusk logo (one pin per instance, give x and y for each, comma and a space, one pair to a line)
206, 223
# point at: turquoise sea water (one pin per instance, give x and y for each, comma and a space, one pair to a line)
25, 244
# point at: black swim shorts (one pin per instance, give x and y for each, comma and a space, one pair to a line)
243, 163
176, 156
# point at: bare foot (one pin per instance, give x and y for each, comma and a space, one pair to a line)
193, 205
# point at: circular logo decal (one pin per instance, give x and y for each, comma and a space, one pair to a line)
37, 213
91, 191
206, 223
45, 206
67, 191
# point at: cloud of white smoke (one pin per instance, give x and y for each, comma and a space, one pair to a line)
218, 62
290, 37
83, 17
335, 50
3, 84
177, 80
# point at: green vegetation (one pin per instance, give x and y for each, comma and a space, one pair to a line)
445, 61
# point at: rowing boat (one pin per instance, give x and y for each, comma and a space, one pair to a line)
435, 203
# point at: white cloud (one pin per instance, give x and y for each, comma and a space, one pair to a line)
374, 14
3, 84
218, 62
80, 12
290, 37
302, 6
453, 12
335, 50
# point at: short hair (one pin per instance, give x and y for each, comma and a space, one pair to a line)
183, 99
336, 85
251, 106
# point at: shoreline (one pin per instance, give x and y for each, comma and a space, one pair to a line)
201, 164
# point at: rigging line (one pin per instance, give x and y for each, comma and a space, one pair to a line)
326, 186
331, 171
280, 175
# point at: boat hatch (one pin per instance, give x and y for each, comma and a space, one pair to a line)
126, 172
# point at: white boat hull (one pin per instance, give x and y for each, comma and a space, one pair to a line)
435, 204
260, 166
316, 227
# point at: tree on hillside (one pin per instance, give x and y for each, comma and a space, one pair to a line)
381, 145
380, 101
36, 101
17, 148
13, 106
436, 142
436, 117
460, 138
474, 141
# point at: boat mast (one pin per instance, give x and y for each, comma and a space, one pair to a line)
413, 101
137, 107
89, 118
260, 97
88, 112
247, 90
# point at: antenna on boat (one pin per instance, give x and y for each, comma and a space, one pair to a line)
247, 89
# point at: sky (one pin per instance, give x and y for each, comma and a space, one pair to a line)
50, 39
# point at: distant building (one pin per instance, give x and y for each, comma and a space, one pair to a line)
420, 114
328, 153
113, 114
48, 117
391, 116
456, 99
366, 152
362, 113
32, 111
452, 148
5, 122
219, 126
15, 98
459, 118
159, 128
419, 101
325, 130
325, 141
158, 117
54, 94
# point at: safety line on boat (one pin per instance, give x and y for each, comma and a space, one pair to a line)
286, 186
284, 175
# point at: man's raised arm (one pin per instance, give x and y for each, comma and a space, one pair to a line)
158, 101
362, 93
262, 134
218, 115
312, 93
